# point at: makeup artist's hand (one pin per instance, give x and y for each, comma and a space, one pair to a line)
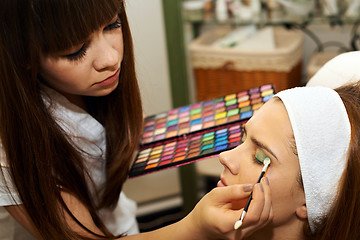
213, 217
260, 211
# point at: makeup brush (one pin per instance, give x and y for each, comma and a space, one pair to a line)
238, 223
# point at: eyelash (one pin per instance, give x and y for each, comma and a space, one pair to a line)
114, 25
254, 155
256, 160
76, 56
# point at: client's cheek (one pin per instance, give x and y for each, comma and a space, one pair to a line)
270, 174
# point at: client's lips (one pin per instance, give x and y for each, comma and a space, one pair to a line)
221, 183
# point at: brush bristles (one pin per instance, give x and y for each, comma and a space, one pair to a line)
237, 224
267, 161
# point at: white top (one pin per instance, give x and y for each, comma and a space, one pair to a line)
89, 135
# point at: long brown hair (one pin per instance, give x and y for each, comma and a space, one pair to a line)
39, 155
343, 220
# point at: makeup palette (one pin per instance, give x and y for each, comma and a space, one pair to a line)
184, 150
187, 134
204, 115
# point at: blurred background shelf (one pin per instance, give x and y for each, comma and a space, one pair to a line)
332, 26
270, 12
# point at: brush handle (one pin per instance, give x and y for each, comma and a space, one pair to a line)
248, 203
261, 176
258, 181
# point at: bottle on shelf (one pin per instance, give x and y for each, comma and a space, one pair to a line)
221, 10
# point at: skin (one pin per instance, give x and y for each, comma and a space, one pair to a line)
85, 75
270, 127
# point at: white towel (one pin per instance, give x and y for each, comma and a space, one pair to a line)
322, 134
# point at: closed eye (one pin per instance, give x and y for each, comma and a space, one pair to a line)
78, 54
75, 56
259, 156
114, 25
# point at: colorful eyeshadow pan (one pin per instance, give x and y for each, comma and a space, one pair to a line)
177, 152
190, 133
203, 115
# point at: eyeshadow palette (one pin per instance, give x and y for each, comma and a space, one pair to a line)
184, 150
204, 115
187, 134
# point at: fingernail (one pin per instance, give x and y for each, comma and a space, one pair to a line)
261, 187
266, 180
247, 188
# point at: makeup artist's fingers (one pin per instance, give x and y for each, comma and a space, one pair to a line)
214, 215
256, 207
267, 213
222, 199
260, 211
231, 193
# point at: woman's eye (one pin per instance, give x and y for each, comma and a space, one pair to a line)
78, 54
260, 156
114, 25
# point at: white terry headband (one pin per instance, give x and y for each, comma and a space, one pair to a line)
322, 134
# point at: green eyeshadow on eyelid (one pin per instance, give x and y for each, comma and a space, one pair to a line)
260, 155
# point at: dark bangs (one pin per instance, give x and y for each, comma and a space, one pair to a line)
61, 24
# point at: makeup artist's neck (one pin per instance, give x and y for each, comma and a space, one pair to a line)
76, 100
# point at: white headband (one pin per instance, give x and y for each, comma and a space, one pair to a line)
322, 134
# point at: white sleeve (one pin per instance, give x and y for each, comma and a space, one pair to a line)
8, 193
122, 219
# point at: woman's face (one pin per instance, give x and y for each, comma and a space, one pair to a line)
90, 69
268, 133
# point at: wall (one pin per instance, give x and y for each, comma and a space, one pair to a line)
335, 36
146, 23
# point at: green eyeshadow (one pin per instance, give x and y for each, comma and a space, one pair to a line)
260, 155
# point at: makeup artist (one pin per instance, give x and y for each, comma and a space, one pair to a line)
68, 132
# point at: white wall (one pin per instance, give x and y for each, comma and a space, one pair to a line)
147, 26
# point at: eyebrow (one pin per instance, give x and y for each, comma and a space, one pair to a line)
261, 145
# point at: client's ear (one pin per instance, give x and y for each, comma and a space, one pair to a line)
301, 212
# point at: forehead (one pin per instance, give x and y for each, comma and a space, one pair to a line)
60, 24
272, 111
271, 124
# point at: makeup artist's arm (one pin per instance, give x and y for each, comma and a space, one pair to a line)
213, 217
